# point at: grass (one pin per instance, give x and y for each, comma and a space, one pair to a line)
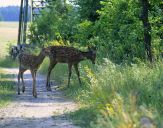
6, 88
59, 72
9, 31
112, 93
8, 37
83, 116
8, 62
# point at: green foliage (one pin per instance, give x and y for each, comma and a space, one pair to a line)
120, 30
5, 58
82, 119
6, 88
56, 23
121, 92
88, 8
7, 62
84, 33
110, 92
157, 27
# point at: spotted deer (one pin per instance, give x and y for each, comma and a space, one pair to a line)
71, 56
32, 63
15, 50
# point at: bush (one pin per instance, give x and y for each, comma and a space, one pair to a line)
121, 95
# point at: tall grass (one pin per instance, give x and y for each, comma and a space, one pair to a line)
122, 95
6, 88
7, 39
116, 95
113, 96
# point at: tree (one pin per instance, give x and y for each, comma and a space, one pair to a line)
88, 9
147, 28
57, 22
114, 26
118, 31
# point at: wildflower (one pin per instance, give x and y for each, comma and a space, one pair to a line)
110, 109
90, 75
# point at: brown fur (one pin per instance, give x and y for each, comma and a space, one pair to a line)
31, 62
69, 55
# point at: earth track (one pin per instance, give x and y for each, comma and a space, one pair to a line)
48, 110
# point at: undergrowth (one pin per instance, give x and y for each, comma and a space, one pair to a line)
7, 89
113, 95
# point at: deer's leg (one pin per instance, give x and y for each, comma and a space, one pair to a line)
69, 75
34, 83
21, 75
19, 82
77, 72
51, 66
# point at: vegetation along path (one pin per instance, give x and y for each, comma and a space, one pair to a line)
46, 111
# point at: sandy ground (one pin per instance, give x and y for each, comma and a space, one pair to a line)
46, 111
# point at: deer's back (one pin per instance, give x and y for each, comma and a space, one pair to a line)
65, 54
27, 61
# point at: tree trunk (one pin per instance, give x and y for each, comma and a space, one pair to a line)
20, 22
147, 29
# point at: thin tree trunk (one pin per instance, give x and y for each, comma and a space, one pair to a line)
25, 21
20, 22
147, 29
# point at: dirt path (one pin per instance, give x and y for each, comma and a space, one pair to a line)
46, 111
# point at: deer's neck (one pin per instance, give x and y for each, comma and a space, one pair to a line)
40, 59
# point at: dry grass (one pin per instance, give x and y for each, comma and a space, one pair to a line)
9, 33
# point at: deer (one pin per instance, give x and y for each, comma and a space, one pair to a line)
71, 56
32, 63
14, 51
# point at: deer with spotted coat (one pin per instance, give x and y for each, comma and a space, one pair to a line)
71, 56
32, 63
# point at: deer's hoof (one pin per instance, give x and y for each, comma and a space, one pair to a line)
23, 90
18, 91
35, 95
49, 89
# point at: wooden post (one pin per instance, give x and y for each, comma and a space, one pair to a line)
37, 5
25, 20
31, 11
20, 22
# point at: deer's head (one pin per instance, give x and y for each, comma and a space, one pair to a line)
45, 51
14, 52
92, 54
